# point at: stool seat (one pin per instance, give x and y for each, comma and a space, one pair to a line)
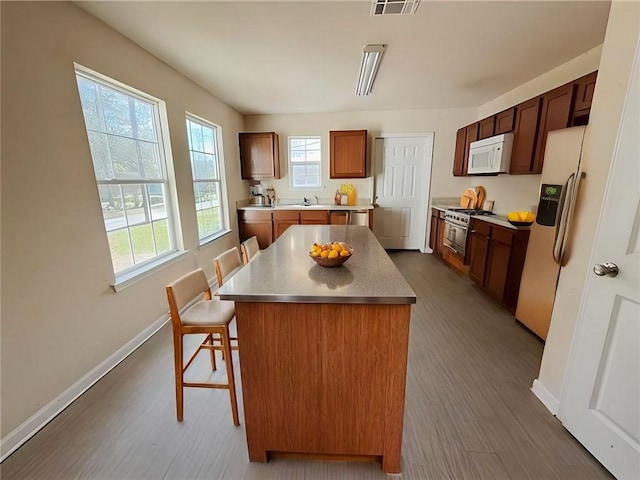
209, 312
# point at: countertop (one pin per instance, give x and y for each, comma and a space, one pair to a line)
284, 272
322, 206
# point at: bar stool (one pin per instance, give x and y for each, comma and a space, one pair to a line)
227, 264
250, 249
208, 316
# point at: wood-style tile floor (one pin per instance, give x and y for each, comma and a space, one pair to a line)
469, 410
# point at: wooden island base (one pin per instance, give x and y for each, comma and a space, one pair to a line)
324, 379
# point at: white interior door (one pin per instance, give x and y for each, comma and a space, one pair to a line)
600, 403
402, 168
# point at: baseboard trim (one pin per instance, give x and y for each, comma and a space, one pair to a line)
30, 427
547, 399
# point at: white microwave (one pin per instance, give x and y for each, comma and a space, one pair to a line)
490, 155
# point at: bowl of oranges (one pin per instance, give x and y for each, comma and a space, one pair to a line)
331, 254
521, 218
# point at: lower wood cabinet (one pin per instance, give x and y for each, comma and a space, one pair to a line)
268, 225
314, 217
478, 249
256, 223
497, 259
283, 219
436, 235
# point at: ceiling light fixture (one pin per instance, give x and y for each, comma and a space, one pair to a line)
371, 55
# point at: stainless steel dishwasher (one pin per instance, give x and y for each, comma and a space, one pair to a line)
349, 217
359, 217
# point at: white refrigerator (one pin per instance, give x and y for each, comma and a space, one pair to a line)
551, 232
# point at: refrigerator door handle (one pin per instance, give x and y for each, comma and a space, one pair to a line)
561, 228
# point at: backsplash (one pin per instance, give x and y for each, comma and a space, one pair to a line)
509, 192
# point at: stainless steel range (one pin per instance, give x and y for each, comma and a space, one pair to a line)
457, 226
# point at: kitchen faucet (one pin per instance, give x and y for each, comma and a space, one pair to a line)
317, 201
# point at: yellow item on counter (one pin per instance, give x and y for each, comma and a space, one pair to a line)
350, 190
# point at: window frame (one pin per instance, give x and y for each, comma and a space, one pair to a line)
132, 274
320, 163
219, 156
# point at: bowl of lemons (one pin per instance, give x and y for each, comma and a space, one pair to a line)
331, 254
521, 218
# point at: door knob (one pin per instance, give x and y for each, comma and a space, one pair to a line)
602, 269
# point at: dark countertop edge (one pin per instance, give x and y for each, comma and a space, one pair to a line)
262, 298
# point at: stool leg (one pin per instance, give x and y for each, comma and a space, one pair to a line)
177, 351
213, 352
226, 348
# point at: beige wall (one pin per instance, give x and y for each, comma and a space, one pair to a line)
60, 317
615, 67
443, 122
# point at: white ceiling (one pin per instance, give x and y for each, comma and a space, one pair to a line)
303, 56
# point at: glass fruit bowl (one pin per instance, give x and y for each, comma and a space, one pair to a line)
331, 259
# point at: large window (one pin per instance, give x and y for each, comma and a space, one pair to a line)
304, 162
127, 150
207, 177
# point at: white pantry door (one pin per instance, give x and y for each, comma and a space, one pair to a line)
402, 168
600, 403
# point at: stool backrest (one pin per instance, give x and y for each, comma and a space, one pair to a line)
226, 264
185, 289
250, 249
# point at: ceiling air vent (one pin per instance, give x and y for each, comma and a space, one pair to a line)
394, 7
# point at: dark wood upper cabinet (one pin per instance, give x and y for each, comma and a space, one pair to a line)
487, 127
259, 155
505, 121
585, 87
347, 154
555, 113
524, 139
565, 106
582, 99
471, 136
459, 165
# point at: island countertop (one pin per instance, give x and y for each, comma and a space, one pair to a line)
285, 273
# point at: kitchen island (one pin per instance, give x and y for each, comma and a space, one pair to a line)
323, 351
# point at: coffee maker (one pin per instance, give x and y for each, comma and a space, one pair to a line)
256, 193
